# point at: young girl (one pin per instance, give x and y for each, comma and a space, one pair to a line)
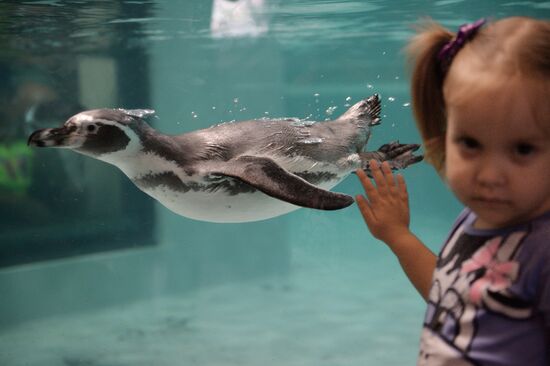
481, 102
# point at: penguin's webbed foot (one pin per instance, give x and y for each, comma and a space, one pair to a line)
399, 156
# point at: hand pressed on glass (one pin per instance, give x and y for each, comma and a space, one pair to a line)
384, 206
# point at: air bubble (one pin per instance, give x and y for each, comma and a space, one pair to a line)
330, 110
302, 123
311, 140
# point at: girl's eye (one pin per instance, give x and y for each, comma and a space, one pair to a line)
524, 149
468, 143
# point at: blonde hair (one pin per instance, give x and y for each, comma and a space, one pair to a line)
512, 46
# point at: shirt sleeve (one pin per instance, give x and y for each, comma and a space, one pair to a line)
534, 280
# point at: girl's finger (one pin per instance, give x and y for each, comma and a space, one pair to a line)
365, 181
388, 174
370, 189
364, 208
378, 175
402, 188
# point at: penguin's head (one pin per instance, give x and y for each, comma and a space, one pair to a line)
95, 132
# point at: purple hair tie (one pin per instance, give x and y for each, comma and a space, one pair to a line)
451, 48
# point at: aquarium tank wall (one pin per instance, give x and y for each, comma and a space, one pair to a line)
95, 272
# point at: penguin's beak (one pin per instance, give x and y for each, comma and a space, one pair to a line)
51, 137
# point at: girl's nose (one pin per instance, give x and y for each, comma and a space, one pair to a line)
491, 173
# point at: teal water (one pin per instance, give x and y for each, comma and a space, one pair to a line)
93, 273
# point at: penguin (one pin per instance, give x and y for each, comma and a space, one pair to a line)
233, 172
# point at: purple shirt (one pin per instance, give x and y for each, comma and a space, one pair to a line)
489, 303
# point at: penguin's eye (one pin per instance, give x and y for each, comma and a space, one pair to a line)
91, 128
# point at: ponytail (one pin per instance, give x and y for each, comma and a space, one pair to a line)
427, 89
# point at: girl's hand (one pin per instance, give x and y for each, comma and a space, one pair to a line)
386, 212
385, 207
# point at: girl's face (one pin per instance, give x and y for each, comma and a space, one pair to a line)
497, 156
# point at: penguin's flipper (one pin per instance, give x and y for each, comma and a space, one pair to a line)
267, 176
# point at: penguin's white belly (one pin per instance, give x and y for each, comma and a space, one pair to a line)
225, 200
220, 206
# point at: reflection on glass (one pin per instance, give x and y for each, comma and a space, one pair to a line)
56, 204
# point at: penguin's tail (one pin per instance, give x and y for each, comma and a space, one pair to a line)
366, 111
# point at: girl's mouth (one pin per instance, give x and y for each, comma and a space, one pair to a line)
491, 201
